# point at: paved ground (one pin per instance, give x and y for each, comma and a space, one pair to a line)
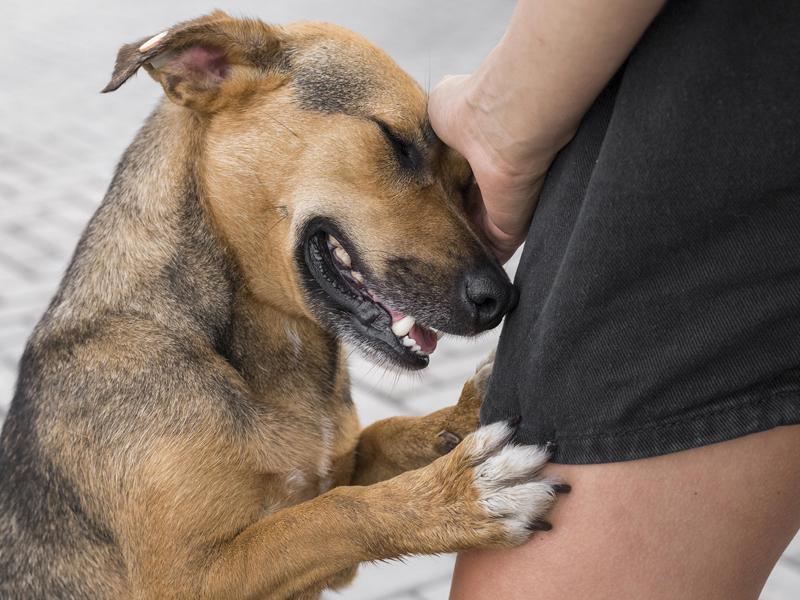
59, 141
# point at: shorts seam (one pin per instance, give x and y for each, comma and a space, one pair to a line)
676, 421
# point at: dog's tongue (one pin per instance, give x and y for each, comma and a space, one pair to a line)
425, 338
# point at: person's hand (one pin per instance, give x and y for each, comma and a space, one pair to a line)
508, 169
524, 103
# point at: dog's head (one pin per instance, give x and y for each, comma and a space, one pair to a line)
322, 173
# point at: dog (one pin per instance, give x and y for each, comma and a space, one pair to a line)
182, 425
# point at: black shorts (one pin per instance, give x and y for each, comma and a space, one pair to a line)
660, 283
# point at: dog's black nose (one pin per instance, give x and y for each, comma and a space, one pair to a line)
487, 295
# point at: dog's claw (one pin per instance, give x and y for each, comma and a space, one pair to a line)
562, 488
540, 526
447, 441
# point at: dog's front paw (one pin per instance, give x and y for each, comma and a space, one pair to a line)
464, 417
506, 477
505, 499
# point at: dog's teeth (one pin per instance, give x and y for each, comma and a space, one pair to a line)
357, 276
415, 348
408, 342
342, 255
334, 242
403, 326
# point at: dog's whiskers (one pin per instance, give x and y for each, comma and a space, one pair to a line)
286, 127
278, 222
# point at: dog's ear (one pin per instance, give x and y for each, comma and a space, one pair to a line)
193, 60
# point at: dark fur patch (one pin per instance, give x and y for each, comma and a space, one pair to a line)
172, 83
199, 275
407, 152
329, 381
326, 83
34, 495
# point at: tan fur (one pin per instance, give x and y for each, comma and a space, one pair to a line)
251, 478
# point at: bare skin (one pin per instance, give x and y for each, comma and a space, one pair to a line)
523, 104
705, 524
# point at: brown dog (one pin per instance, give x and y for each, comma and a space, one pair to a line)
182, 426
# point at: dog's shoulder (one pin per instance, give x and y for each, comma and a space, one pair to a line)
114, 376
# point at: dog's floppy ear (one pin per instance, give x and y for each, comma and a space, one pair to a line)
192, 60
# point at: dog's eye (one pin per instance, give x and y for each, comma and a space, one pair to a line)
407, 154
470, 195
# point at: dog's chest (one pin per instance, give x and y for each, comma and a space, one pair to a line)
309, 480
309, 430
309, 471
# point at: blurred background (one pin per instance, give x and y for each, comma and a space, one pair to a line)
60, 140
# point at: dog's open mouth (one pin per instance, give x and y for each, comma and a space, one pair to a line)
393, 332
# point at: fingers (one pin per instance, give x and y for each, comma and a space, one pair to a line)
500, 243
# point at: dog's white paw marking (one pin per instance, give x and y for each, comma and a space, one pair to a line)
505, 476
488, 439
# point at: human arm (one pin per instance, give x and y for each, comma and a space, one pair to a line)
525, 101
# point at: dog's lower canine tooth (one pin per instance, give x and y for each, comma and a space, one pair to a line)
334, 242
403, 326
408, 342
357, 276
416, 348
342, 255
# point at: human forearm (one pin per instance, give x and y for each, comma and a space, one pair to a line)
552, 62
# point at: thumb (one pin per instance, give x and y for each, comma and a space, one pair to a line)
443, 108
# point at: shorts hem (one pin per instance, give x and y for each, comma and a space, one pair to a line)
712, 425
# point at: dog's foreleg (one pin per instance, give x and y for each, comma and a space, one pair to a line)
483, 493
398, 444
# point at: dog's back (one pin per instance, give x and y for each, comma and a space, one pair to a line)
98, 378
48, 543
